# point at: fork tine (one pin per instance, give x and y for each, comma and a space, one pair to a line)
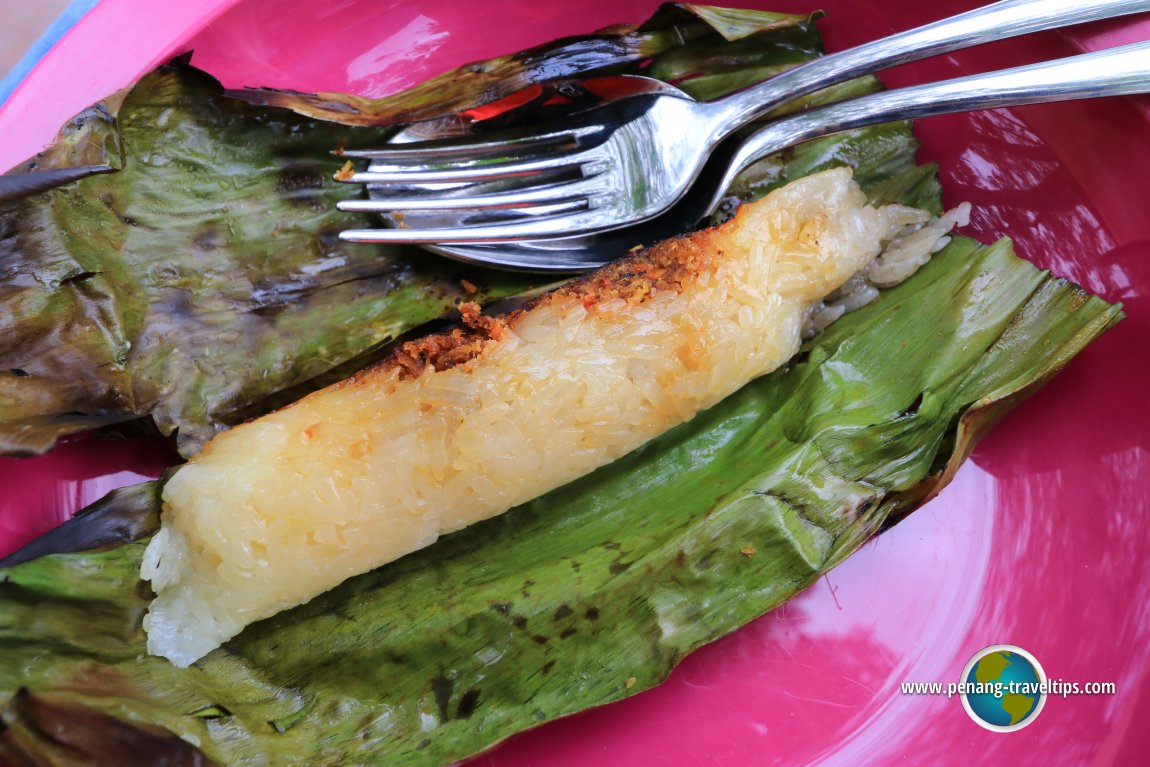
567, 219
590, 166
530, 197
449, 149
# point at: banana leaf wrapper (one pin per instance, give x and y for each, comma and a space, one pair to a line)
198, 274
589, 594
173, 256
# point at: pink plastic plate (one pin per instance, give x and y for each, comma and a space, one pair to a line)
1042, 541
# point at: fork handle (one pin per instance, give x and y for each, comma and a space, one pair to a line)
1120, 71
998, 21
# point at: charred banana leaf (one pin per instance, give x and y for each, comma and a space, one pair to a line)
195, 274
694, 40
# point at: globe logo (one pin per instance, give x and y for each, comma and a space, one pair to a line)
1005, 688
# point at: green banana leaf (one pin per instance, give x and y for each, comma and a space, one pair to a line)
173, 256
589, 594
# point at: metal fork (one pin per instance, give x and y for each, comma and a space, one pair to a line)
1124, 70
629, 160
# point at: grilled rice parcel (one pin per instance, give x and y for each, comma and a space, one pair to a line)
461, 426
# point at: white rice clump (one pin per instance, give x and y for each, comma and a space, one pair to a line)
281, 509
919, 238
